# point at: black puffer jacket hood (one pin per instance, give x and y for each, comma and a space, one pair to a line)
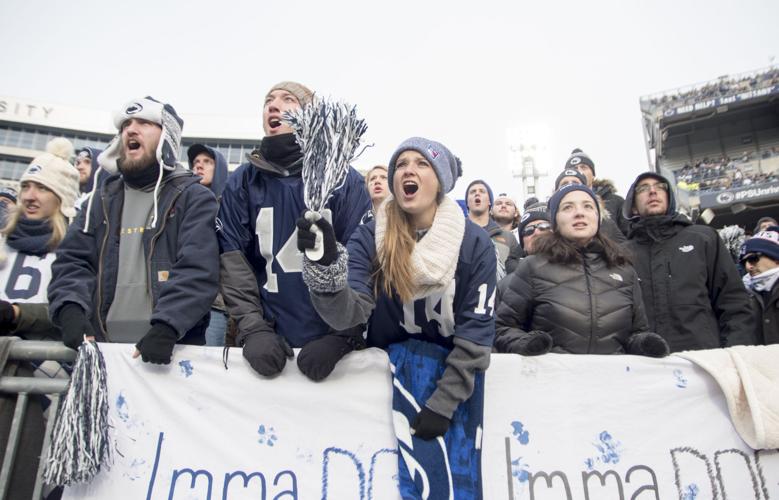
627, 207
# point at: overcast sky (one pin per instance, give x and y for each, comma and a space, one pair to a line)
458, 72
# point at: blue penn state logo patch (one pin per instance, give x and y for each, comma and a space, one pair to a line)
525, 217
135, 107
575, 161
34, 169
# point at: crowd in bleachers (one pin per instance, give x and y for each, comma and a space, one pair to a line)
723, 173
157, 254
719, 88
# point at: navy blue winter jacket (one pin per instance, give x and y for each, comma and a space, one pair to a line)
182, 255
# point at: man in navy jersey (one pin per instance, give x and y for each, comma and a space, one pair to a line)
261, 266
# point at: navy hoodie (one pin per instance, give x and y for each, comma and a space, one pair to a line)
93, 154
219, 180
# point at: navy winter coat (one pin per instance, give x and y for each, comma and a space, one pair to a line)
182, 256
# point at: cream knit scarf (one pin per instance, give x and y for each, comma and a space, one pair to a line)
434, 258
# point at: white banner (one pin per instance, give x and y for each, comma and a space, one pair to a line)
556, 427
193, 430
615, 427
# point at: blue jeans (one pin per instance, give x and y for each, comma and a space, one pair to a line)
217, 326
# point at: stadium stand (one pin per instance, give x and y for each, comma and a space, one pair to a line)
719, 141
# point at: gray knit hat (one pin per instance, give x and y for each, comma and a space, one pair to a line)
302, 93
448, 167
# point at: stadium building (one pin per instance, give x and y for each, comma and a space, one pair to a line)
718, 142
26, 126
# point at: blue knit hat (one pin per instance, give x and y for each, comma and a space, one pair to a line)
487, 186
447, 166
765, 242
569, 172
557, 198
534, 212
8, 192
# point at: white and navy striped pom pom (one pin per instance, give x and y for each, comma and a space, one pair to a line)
328, 134
79, 445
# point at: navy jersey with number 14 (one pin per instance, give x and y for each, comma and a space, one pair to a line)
464, 309
258, 215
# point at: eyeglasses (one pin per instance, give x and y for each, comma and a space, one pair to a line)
751, 258
544, 226
658, 186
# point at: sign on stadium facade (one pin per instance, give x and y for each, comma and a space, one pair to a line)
720, 101
739, 195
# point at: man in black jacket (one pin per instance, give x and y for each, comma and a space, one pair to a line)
692, 292
760, 256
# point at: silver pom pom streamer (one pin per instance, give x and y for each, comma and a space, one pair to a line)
733, 237
80, 440
328, 134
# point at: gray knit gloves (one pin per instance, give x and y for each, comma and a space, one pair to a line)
324, 259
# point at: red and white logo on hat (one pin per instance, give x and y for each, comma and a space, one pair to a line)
433, 152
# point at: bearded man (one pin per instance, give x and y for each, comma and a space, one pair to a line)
139, 265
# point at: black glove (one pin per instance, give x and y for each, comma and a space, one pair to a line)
535, 343
429, 424
157, 345
266, 352
7, 319
307, 238
648, 344
73, 324
318, 357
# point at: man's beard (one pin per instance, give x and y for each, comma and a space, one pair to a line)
135, 167
140, 173
503, 219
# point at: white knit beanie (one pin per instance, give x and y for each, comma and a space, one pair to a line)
53, 170
149, 109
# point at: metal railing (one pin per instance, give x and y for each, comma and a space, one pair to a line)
23, 387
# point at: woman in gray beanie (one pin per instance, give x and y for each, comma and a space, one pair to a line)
422, 277
577, 293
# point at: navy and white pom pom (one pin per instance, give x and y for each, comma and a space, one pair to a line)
79, 445
328, 134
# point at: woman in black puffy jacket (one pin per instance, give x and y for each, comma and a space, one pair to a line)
578, 293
